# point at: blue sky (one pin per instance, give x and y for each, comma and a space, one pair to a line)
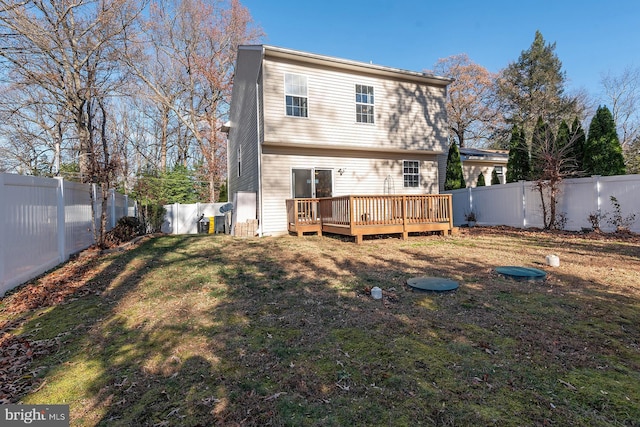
591, 37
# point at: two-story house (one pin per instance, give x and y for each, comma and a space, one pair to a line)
308, 125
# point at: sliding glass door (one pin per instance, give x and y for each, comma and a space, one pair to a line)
305, 187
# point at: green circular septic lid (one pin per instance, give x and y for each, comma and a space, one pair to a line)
522, 273
436, 284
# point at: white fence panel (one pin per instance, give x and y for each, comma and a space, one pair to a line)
183, 218
30, 228
78, 228
625, 188
519, 205
461, 205
532, 206
578, 198
498, 207
117, 207
42, 222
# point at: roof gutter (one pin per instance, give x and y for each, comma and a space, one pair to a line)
312, 58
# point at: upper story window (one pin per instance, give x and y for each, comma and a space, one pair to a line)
411, 173
364, 104
295, 93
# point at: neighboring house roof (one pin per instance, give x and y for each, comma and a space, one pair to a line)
482, 155
347, 64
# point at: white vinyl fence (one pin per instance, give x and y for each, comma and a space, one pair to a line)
518, 204
183, 218
45, 220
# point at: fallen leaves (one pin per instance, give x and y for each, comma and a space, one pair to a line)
56, 287
16, 356
17, 353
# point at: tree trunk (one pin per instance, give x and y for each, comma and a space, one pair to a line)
84, 141
163, 138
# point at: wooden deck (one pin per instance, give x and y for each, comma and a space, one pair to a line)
374, 214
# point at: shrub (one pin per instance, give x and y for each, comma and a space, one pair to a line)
615, 219
152, 217
595, 218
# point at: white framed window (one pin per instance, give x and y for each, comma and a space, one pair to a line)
295, 94
239, 161
411, 173
500, 173
364, 104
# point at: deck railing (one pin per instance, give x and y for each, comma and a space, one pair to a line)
372, 214
303, 215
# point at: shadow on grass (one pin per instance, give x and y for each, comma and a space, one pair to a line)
211, 330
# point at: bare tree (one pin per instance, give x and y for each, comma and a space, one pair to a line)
70, 50
471, 107
34, 127
190, 46
67, 49
622, 95
553, 160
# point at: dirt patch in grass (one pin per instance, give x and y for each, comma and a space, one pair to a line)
202, 330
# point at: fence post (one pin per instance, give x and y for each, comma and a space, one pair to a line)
94, 211
524, 204
596, 179
61, 222
112, 213
470, 200
176, 217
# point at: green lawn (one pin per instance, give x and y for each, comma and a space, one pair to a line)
211, 330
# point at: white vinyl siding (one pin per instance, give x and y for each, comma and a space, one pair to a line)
243, 147
408, 115
360, 176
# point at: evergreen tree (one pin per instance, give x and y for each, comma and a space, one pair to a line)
495, 180
579, 140
533, 86
481, 182
177, 186
454, 179
602, 151
563, 149
564, 133
518, 165
223, 193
